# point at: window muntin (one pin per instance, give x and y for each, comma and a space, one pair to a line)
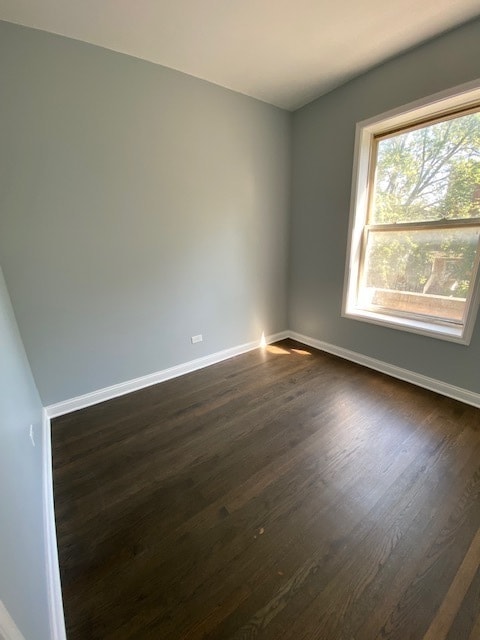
414, 246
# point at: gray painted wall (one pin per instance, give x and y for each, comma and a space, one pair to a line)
23, 583
323, 144
139, 207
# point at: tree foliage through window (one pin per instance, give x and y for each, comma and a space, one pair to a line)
429, 173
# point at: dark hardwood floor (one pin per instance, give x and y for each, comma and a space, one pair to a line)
282, 495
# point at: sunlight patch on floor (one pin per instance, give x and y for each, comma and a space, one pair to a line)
278, 350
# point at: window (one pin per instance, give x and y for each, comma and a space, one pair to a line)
414, 253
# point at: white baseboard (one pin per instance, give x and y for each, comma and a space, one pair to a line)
81, 402
445, 389
55, 603
8, 628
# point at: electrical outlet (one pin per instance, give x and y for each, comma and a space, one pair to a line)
196, 339
32, 435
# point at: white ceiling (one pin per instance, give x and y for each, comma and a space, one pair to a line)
285, 52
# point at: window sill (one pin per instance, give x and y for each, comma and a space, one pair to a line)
421, 327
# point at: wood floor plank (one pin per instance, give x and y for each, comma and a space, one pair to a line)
443, 489
371, 544
443, 620
468, 614
281, 495
436, 569
475, 633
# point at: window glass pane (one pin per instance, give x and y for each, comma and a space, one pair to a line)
429, 173
427, 272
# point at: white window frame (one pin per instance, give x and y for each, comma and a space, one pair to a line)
438, 105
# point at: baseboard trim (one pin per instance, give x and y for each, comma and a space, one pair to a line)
114, 391
108, 393
55, 602
443, 388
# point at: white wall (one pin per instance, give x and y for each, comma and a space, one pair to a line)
23, 583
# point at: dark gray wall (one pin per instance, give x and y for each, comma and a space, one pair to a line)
23, 586
139, 207
323, 144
